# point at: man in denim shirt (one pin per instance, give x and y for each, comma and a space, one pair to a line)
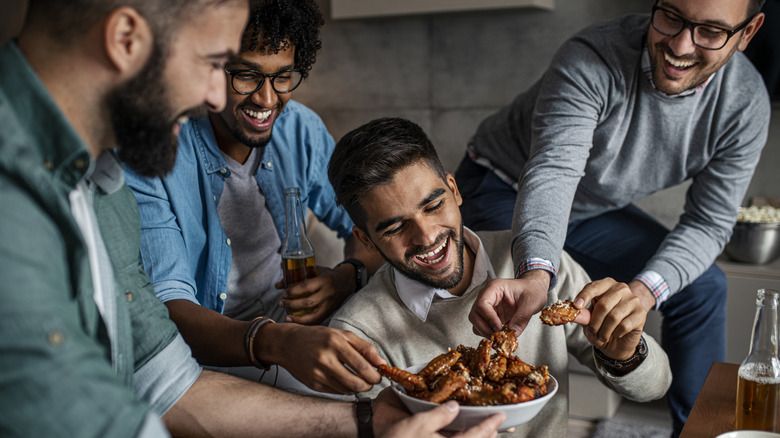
212, 228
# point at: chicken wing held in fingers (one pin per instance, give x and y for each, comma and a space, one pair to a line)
409, 381
559, 313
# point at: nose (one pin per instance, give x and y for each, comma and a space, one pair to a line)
682, 44
424, 234
216, 94
266, 96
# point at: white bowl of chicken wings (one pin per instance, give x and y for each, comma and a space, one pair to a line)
485, 381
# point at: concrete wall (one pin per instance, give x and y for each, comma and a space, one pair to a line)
447, 72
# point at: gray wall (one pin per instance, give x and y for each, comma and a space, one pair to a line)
447, 72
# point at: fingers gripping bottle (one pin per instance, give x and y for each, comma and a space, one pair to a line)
297, 250
758, 384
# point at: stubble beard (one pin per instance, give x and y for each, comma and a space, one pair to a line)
410, 270
672, 86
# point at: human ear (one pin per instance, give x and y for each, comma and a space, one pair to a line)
362, 236
750, 31
454, 188
128, 40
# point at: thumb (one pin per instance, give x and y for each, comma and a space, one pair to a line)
519, 322
440, 416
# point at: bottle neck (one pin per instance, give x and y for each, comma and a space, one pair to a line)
296, 242
764, 339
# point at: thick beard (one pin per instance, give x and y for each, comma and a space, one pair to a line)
443, 283
143, 120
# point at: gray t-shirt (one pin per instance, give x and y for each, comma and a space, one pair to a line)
594, 135
256, 264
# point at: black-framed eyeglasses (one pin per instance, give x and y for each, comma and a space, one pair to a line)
248, 81
705, 36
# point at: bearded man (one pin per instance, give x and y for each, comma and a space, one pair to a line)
389, 178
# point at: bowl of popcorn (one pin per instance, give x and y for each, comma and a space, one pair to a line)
756, 236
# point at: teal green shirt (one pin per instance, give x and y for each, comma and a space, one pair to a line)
59, 374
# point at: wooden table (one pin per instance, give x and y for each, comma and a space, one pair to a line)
714, 410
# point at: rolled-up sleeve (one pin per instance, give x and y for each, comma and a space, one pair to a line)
55, 377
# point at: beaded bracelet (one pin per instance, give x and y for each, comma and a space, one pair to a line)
249, 340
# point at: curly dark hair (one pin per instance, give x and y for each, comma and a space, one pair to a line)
284, 23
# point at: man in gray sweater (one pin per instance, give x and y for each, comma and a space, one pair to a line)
627, 108
389, 179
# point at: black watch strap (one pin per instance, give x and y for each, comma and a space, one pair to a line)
365, 414
361, 277
621, 367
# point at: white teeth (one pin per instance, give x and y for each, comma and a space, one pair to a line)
678, 64
183, 119
433, 262
262, 115
422, 257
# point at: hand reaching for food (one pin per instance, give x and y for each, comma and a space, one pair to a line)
613, 321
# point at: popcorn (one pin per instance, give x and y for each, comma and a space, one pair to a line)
765, 214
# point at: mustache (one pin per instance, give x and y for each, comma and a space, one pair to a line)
247, 104
664, 48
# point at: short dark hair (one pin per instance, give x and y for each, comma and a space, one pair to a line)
370, 156
755, 7
69, 19
285, 23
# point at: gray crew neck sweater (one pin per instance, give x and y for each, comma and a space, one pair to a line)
593, 135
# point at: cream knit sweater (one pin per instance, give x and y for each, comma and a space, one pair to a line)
379, 316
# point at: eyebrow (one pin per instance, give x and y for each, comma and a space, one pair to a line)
717, 23
387, 223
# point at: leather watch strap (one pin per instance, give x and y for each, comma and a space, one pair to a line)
621, 367
365, 414
361, 277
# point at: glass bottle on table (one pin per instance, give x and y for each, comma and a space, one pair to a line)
758, 381
297, 250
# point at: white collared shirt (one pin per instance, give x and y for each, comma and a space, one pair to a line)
418, 297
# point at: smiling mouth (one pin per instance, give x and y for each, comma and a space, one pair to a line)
679, 64
434, 256
261, 116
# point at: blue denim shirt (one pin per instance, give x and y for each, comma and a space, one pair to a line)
183, 246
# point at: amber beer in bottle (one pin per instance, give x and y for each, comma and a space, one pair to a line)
758, 381
297, 250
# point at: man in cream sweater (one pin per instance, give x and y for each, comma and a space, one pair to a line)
389, 179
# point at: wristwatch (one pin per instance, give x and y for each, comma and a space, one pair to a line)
621, 367
361, 275
365, 413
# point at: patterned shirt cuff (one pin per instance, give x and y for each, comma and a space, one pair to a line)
656, 284
531, 264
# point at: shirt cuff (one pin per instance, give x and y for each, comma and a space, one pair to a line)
153, 427
166, 376
532, 264
657, 285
